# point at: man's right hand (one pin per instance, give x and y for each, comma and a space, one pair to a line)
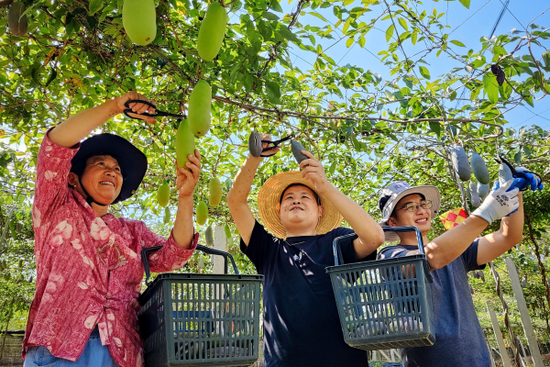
499, 203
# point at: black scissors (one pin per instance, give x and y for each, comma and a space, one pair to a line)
146, 114
255, 144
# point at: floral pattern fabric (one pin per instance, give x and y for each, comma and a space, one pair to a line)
89, 268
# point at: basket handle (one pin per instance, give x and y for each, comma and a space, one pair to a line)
202, 248
337, 251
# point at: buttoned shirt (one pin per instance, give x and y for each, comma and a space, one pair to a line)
89, 269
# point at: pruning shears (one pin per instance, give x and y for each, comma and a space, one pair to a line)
255, 144
146, 114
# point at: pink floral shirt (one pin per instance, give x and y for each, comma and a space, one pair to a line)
89, 268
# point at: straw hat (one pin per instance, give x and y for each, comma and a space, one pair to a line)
269, 203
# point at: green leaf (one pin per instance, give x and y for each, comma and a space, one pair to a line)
517, 158
458, 43
248, 81
546, 58
389, 32
332, 168
347, 24
275, 6
435, 126
491, 87
95, 6
349, 42
269, 16
362, 41
403, 23
315, 14
414, 37
286, 33
466, 3
529, 99
424, 72
52, 77
273, 92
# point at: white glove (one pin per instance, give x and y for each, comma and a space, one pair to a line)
499, 203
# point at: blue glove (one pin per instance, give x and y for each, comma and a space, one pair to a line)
530, 178
516, 184
523, 178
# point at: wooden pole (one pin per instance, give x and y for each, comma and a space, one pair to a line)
220, 243
514, 342
498, 336
524, 313
491, 355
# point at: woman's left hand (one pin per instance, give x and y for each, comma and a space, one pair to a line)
188, 176
313, 170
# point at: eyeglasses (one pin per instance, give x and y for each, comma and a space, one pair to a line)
412, 207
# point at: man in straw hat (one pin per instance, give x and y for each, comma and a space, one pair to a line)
302, 210
459, 337
89, 268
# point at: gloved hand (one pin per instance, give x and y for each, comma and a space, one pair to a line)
504, 174
529, 179
524, 177
501, 202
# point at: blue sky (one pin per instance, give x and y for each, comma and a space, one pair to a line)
466, 25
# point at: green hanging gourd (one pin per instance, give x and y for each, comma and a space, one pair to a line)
212, 31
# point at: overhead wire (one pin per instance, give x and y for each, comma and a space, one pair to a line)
493, 30
534, 115
505, 7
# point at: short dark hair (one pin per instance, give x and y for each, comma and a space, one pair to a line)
317, 198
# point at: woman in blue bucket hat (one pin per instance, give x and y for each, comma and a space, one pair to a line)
89, 268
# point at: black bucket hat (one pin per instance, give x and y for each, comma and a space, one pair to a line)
132, 162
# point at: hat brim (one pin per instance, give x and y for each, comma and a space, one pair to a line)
132, 161
428, 191
269, 203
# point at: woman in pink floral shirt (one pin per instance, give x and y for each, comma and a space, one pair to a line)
89, 269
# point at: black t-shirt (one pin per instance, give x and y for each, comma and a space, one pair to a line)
301, 324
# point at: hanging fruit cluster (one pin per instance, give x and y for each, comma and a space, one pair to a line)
477, 191
139, 21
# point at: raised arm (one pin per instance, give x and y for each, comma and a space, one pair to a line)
187, 179
510, 234
237, 197
370, 234
451, 244
79, 126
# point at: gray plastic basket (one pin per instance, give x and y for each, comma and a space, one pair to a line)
200, 320
384, 304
